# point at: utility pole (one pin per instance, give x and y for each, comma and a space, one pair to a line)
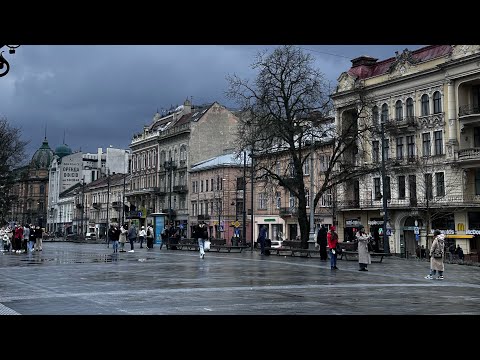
83, 204
108, 204
311, 240
123, 198
386, 246
244, 212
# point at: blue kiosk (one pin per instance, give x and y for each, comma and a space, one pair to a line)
158, 221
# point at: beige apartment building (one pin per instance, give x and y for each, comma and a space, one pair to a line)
163, 153
429, 103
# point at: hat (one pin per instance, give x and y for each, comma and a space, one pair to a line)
333, 228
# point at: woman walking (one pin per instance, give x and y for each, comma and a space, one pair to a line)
437, 255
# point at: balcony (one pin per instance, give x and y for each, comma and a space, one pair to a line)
78, 206
116, 204
469, 157
180, 188
149, 190
406, 124
169, 212
288, 211
469, 115
96, 205
203, 217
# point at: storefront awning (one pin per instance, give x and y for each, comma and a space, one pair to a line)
456, 236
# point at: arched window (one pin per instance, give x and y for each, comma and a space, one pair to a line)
425, 105
42, 189
375, 115
398, 110
384, 113
437, 102
410, 112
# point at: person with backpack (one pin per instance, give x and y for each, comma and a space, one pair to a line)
132, 236
150, 236
200, 233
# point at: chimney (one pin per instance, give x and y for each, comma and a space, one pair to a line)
363, 60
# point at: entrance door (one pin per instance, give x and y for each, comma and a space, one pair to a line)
292, 231
409, 238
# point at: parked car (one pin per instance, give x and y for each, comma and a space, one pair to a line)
276, 244
90, 234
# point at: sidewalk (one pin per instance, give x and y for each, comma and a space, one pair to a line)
72, 278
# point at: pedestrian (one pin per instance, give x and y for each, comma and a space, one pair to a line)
141, 236
18, 237
31, 239
26, 237
200, 232
322, 242
122, 238
39, 233
363, 255
150, 236
437, 256
163, 236
132, 236
262, 236
459, 252
113, 238
332, 241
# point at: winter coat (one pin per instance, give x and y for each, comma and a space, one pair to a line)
322, 236
332, 239
363, 254
123, 235
437, 263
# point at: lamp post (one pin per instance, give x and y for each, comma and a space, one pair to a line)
170, 167
108, 205
252, 224
386, 246
311, 240
83, 205
4, 65
244, 212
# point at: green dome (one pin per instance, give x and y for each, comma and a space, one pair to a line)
62, 150
43, 156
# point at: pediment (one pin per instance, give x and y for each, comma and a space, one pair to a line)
460, 51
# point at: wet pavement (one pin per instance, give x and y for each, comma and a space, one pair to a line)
80, 279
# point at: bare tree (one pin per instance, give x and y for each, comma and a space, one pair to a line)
12, 150
286, 115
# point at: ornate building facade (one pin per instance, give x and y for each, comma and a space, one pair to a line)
427, 102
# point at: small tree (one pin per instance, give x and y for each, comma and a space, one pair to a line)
12, 150
286, 115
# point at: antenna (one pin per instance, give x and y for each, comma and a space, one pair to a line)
45, 130
63, 136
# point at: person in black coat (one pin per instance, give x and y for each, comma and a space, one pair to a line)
322, 242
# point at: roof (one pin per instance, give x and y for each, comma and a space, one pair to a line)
43, 156
369, 67
225, 160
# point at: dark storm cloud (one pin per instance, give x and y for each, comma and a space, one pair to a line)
101, 95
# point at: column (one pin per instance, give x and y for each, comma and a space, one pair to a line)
452, 121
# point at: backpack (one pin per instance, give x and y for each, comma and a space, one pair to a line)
149, 232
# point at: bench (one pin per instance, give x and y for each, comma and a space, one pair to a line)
353, 254
221, 244
292, 247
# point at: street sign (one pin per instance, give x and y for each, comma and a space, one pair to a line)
416, 230
236, 224
389, 232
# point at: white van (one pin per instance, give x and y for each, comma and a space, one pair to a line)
91, 234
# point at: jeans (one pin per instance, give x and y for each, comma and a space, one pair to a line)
141, 238
433, 272
201, 243
333, 259
115, 246
31, 244
131, 243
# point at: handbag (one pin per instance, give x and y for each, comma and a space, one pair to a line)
338, 249
437, 254
206, 245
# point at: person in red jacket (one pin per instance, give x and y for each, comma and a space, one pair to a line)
332, 240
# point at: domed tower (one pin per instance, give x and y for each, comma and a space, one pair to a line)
43, 156
63, 150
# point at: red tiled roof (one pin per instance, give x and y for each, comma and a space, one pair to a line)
423, 54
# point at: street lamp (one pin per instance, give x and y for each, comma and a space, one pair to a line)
3, 61
386, 246
311, 240
170, 167
244, 212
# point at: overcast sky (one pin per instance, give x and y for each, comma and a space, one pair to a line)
101, 95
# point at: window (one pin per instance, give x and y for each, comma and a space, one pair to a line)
375, 151
425, 105
411, 147
438, 142
42, 189
437, 102
327, 198
386, 148
306, 166
384, 113
376, 186
262, 201
400, 148
375, 116
307, 197
278, 200
401, 187
428, 186
211, 184
410, 113
440, 182
426, 144
291, 200
277, 169
398, 110
206, 185
412, 184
